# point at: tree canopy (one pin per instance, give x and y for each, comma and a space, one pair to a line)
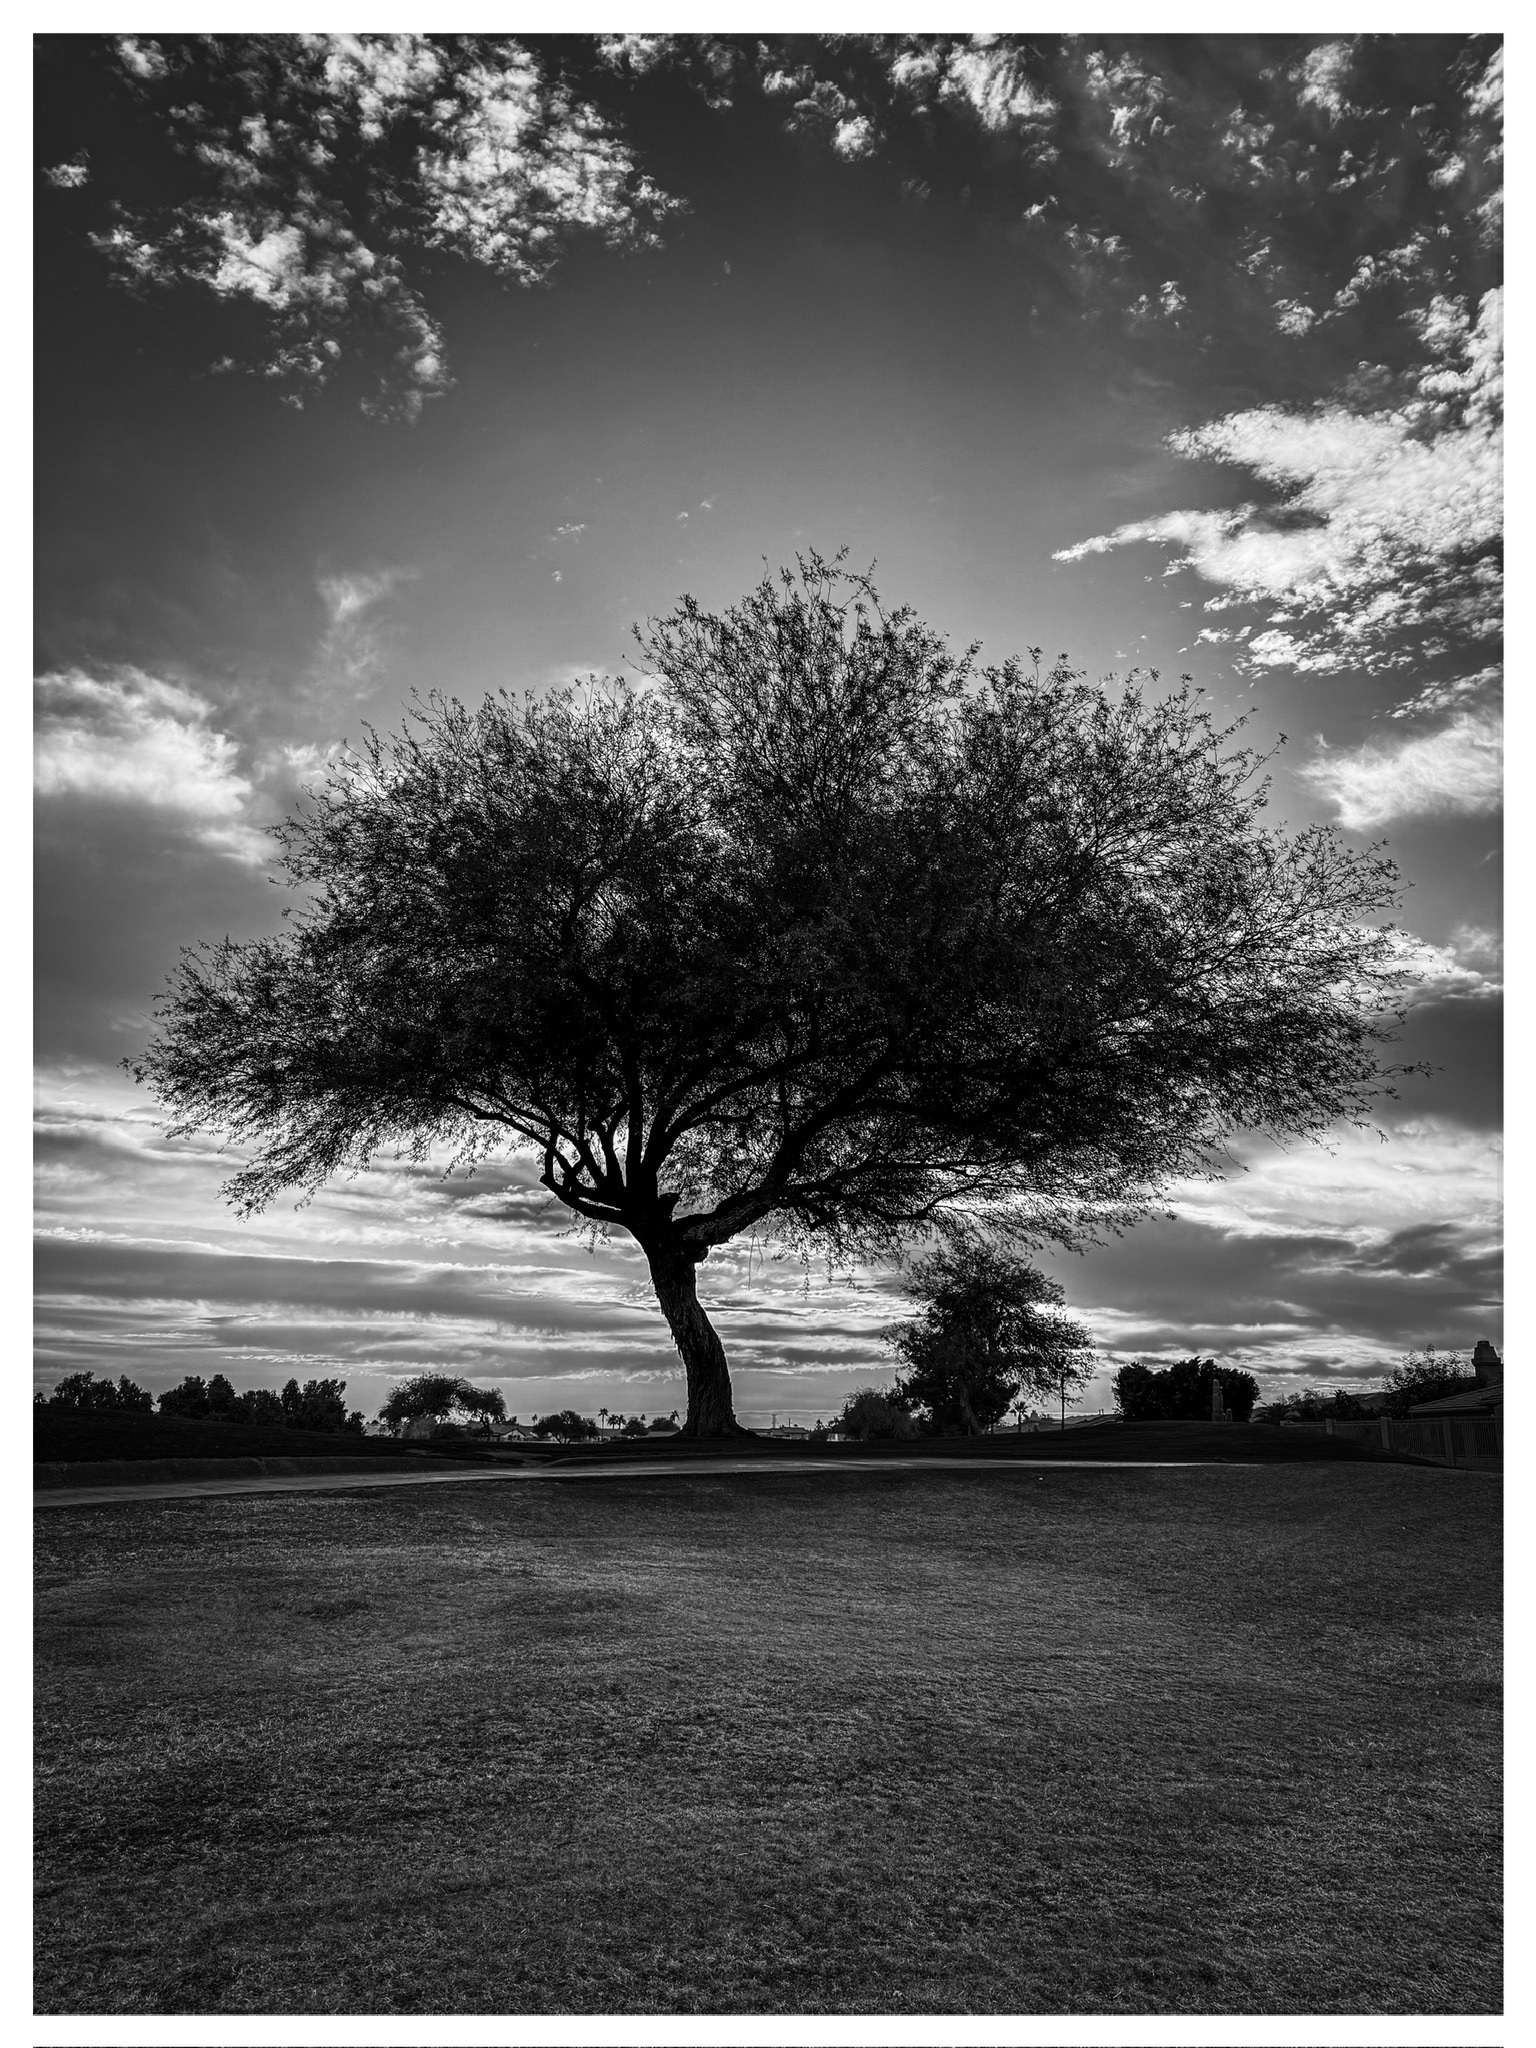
988, 1333
1181, 1392
817, 927
434, 1396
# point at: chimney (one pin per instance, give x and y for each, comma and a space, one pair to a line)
1487, 1365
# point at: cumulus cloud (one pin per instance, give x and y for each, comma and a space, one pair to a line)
1458, 769
505, 166
1383, 523
72, 174
1321, 77
136, 739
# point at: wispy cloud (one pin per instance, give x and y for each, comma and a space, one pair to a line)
133, 739
1458, 769
1379, 541
355, 639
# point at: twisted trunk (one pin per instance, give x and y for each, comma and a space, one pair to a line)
710, 1413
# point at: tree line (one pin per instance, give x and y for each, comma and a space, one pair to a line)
317, 1405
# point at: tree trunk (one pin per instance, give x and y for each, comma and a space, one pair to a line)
710, 1413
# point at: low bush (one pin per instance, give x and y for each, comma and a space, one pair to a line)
873, 1413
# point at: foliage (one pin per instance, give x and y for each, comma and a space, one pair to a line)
1426, 1376
1182, 1392
318, 1404
83, 1390
988, 1333
434, 1397
662, 1425
830, 929
566, 1427
871, 1413
1317, 1404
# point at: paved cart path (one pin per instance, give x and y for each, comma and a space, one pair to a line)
649, 1468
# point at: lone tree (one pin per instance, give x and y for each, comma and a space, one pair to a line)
989, 1331
434, 1396
818, 923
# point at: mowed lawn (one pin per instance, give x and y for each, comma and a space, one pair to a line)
1213, 1740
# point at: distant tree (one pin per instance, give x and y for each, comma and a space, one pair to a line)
1182, 1392
872, 1412
1426, 1375
565, 1427
989, 1332
1317, 1405
189, 1399
830, 927
83, 1390
662, 1425
222, 1399
260, 1405
635, 1426
435, 1397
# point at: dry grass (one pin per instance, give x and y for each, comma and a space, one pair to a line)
1167, 1741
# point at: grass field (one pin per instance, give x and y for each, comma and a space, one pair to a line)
1220, 1740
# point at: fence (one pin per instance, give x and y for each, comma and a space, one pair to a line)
1476, 1442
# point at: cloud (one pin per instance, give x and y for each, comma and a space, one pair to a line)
1321, 78
135, 739
1380, 538
1455, 771
71, 175
503, 166
353, 644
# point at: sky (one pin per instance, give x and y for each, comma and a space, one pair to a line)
374, 365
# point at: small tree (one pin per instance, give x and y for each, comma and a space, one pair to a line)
989, 1332
189, 1399
872, 1412
829, 927
222, 1399
566, 1427
435, 1397
1182, 1392
1426, 1375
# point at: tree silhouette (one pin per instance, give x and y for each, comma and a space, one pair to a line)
988, 1331
821, 925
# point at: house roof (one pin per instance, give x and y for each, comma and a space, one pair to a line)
1475, 1401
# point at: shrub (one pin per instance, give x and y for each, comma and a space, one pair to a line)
871, 1413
